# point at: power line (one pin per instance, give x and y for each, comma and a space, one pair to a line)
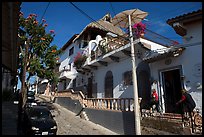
96, 21
159, 16
45, 11
172, 11
157, 35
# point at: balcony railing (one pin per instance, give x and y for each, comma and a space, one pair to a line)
117, 104
107, 45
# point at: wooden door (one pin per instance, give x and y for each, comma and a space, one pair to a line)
109, 85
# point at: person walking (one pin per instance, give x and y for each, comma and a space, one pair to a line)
187, 104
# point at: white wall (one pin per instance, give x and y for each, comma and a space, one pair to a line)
190, 59
65, 60
117, 70
119, 89
194, 29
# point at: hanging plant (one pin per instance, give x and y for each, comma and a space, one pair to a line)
139, 29
79, 60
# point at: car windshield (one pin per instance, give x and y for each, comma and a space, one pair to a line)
39, 113
31, 93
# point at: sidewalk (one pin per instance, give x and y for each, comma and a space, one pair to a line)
9, 118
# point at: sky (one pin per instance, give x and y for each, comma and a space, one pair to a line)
66, 20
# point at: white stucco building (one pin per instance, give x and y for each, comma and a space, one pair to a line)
107, 72
189, 26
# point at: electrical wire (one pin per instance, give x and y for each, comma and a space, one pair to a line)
172, 11
45, 11
106, 28
163, 38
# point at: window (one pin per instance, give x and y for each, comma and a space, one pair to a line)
71, 51
127, 77
65, 84
74, 83
79, 45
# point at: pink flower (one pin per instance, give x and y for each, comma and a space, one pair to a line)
29, 17
175, 43
43, 20
35, 22
42, 38
33, 15
52, 31
21, 13
139, 29
45, 25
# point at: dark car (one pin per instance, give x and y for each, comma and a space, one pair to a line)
30, 99
30, 96
38, 120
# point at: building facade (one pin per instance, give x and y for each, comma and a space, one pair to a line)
107, 72
10, 16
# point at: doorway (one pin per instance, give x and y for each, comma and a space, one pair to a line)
109, 85
89, 88
172, 85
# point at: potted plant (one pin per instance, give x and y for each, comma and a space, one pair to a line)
79, 60
139, 29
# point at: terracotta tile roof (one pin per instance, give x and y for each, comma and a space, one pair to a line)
184, 16
154, 56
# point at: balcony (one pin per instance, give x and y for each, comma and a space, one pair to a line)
113, 48
67, 74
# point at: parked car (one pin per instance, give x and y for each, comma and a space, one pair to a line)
38, 120
30, 95
30, 99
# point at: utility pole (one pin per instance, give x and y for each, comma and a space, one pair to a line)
23, 87
134, 76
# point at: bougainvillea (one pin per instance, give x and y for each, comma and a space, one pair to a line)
139, 29
79, 60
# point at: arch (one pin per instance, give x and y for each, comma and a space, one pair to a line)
144, 85
108, 85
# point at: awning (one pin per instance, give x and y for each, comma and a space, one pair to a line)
156, 56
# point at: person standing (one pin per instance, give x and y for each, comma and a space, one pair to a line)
155, 99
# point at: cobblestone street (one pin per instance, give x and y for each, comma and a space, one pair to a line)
70, 124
